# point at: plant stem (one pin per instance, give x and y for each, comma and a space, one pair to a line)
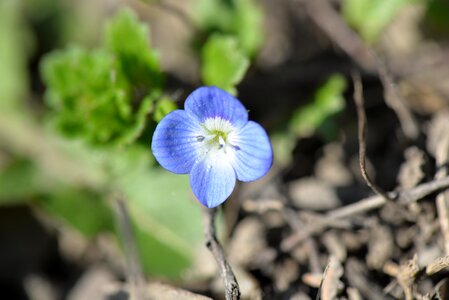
232, 291
134, 272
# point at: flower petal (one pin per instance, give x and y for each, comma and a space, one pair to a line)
212, 102
253, 156
175, 142
212, 179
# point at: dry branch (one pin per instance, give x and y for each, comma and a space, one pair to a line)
331, 283
406, 276
438, 265
363, 206
394, 100
332, 24
439, 146
362, 131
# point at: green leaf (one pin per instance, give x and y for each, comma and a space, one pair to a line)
239, 18
248, 25
283, 144
370, 17
168, 219
88, 95
163, 107
19, 181
328, 101
214, 15
223, 63
127, 38
136, 129
84, 210
105, 95
135, 159
158, 257
166, 216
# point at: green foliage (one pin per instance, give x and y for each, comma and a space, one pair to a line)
157, 257
283, 144
104, 95
127, 39
234, 33
239, 18
328, 100
163, 107
370, 17
73, 182
99, 100
247, 25
314, 118
167, 217
86, 97
84, 210
437, 17
223, 63
167, 238
18, 181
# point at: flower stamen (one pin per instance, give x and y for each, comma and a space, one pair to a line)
217, 133
221, 142
235, 147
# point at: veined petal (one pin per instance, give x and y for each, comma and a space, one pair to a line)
253, 155
175, 142
212, 179
212, 102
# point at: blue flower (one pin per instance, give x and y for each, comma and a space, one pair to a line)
213, 141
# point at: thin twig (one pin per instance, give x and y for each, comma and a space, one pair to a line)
438, 133
232, 291
297, 224
363, 206
324, 16
438, 265
361, 117
332, 24
330, 284
357, 276
443, 216
134, 272
407, 275
394, 100
318, 294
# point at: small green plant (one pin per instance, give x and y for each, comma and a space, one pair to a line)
223, 63
316, 117
328, 101
239, 18
101, 108
371, 17
104, 95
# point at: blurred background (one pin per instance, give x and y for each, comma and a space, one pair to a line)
84, 83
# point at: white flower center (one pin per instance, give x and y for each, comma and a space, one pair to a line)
217, 134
